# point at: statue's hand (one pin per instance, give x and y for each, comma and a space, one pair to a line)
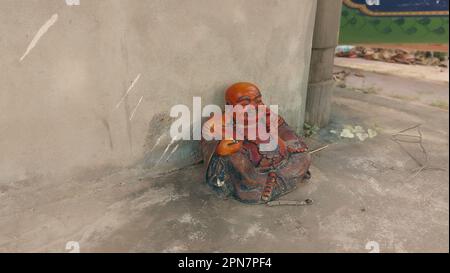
228, 147
295, 146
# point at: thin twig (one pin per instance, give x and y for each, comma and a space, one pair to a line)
319, 149
289, 203
407, 129
422, 165
419, 141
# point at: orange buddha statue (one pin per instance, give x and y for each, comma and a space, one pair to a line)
239, 168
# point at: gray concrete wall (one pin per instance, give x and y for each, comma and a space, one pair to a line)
58, 100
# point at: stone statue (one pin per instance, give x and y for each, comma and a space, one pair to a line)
240, 168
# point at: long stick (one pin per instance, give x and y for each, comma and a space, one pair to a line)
289, 203
319, 149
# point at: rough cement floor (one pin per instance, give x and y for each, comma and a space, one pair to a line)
363, 192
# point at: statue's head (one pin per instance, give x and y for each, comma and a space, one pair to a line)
243, 93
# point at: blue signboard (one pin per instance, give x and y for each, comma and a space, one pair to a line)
400, 7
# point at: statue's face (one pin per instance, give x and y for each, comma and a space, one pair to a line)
243, 94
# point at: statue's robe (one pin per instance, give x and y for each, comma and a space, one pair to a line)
244, 174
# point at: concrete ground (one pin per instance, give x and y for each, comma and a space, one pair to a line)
415, 91
365, 194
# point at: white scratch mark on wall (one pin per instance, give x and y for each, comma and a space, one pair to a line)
173, 151
135, 108
39, 34
157, 142
129, 89
167, 149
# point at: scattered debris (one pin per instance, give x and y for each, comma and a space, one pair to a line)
372, 133
362, 136
339, 78
347, 133
394, 55
358, 131
345, 51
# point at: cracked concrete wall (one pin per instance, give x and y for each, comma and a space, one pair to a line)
65, 70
